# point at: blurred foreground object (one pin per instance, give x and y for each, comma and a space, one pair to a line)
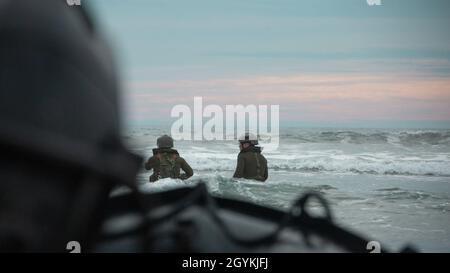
59, 133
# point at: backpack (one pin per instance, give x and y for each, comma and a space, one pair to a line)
167, 165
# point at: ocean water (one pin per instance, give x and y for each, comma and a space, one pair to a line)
392, 186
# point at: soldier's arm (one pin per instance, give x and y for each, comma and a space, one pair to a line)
150, 164
188, 172
239, 168
266, 170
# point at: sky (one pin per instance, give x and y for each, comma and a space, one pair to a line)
324, 62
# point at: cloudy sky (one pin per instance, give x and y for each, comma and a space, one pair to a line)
325, 62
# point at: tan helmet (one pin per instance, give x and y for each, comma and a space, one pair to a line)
164, 141
249, 138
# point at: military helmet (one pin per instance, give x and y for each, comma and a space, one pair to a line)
164, 141
248, 138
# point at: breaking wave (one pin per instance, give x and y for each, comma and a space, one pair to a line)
407, 138
376, 164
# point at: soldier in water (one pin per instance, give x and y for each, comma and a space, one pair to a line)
251, 164
166, 162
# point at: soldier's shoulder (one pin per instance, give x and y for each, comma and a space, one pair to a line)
180, 159
241, 155
152, 158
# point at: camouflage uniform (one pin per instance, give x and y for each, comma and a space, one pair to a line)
166, 162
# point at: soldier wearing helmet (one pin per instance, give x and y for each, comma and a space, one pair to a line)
251, 164
166, 162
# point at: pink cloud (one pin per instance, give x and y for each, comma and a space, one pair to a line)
310, 96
